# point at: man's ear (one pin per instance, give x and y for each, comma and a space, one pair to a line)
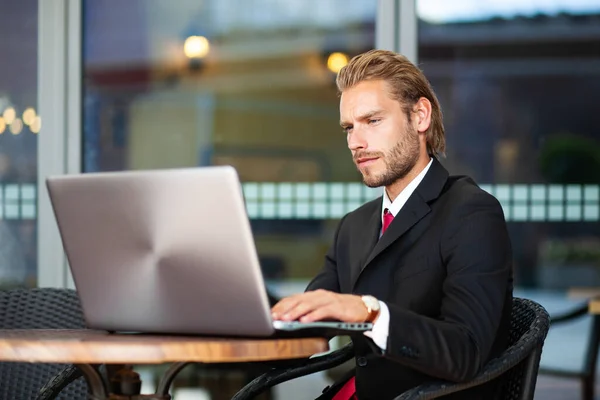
422, 110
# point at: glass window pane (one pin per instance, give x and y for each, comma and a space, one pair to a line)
245, 83
519, 84
19, 126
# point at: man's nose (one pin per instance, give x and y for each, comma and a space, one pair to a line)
356, 141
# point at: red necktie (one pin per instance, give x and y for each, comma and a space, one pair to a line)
388, 217
348, 391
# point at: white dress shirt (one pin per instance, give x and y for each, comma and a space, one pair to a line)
381, 327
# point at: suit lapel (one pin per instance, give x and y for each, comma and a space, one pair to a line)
369, 232
416, 207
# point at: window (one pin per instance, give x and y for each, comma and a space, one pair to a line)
519, 84
19, 126
223, 82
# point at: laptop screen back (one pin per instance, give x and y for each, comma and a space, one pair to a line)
162, 251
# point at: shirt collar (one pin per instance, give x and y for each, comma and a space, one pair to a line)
395, 206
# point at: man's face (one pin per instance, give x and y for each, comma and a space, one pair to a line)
384, 143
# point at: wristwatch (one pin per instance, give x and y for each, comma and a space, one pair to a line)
372, 305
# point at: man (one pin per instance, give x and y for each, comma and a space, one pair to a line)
429, 262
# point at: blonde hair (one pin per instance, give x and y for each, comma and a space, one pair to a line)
407, 82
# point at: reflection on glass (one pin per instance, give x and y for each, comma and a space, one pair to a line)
16, 126
9, 115
246, 83
36, 124
18, 145
29, 115
519, 98
196, 47
336, 61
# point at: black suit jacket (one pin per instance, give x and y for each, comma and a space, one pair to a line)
443, 268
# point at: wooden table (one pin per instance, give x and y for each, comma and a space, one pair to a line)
591, 294
85, 348
594, 306
583, 292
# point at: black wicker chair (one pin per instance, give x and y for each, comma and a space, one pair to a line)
517, 366
587, 375
43, 308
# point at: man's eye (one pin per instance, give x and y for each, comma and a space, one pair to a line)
347, 129
374, 120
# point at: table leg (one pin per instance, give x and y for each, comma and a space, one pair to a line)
167, 379
96, 385
124, 380
125, 383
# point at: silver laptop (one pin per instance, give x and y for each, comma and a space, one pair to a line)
167, 251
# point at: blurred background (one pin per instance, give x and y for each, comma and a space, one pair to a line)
105, 85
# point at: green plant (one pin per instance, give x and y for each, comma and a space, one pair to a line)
574, 251
569, 158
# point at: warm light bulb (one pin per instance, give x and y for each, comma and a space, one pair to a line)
196, 47
336, 61
9, 115
28, 115
2, 125
36, 125
16, 127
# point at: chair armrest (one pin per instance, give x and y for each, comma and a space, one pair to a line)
309, 366
54, 386
493, 369
435, 389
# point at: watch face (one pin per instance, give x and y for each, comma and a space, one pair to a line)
371, 302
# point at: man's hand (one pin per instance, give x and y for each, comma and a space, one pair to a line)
320, 305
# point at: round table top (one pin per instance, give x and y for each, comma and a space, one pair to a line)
90, 346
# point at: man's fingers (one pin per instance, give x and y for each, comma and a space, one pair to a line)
284, 305
294, 307
298, 311
320, 314
306, 304
345, 308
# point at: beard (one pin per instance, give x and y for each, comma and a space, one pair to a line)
399, 160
